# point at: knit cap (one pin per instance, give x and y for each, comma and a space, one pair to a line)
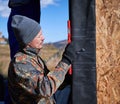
25, 29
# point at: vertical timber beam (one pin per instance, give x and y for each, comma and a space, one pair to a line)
83, 24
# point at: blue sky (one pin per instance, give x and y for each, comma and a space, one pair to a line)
54, 16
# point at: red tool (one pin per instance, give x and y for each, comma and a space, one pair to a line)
69, 41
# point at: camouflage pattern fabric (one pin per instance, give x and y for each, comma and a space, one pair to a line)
29, 80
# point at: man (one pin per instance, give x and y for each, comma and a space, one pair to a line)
29, 8
29, 80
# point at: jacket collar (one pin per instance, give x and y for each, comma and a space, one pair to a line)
31, 51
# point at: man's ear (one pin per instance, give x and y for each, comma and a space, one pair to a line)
29, 45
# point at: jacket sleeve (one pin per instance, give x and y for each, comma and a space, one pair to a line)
32, 78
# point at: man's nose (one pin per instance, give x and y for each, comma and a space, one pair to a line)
43, 37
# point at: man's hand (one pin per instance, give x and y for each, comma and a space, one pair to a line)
68, 54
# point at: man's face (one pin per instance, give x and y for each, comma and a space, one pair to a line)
37, 42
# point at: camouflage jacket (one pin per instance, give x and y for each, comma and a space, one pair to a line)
29, 80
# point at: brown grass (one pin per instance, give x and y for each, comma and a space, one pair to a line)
47, 51
4, 59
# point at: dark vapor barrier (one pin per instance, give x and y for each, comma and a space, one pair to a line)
82, 18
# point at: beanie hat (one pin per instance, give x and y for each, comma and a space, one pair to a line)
25, 29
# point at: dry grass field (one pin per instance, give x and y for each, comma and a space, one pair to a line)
51, 55
4, 59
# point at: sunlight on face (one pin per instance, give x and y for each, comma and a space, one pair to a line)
37, 42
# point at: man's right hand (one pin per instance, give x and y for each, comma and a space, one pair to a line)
68, 54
